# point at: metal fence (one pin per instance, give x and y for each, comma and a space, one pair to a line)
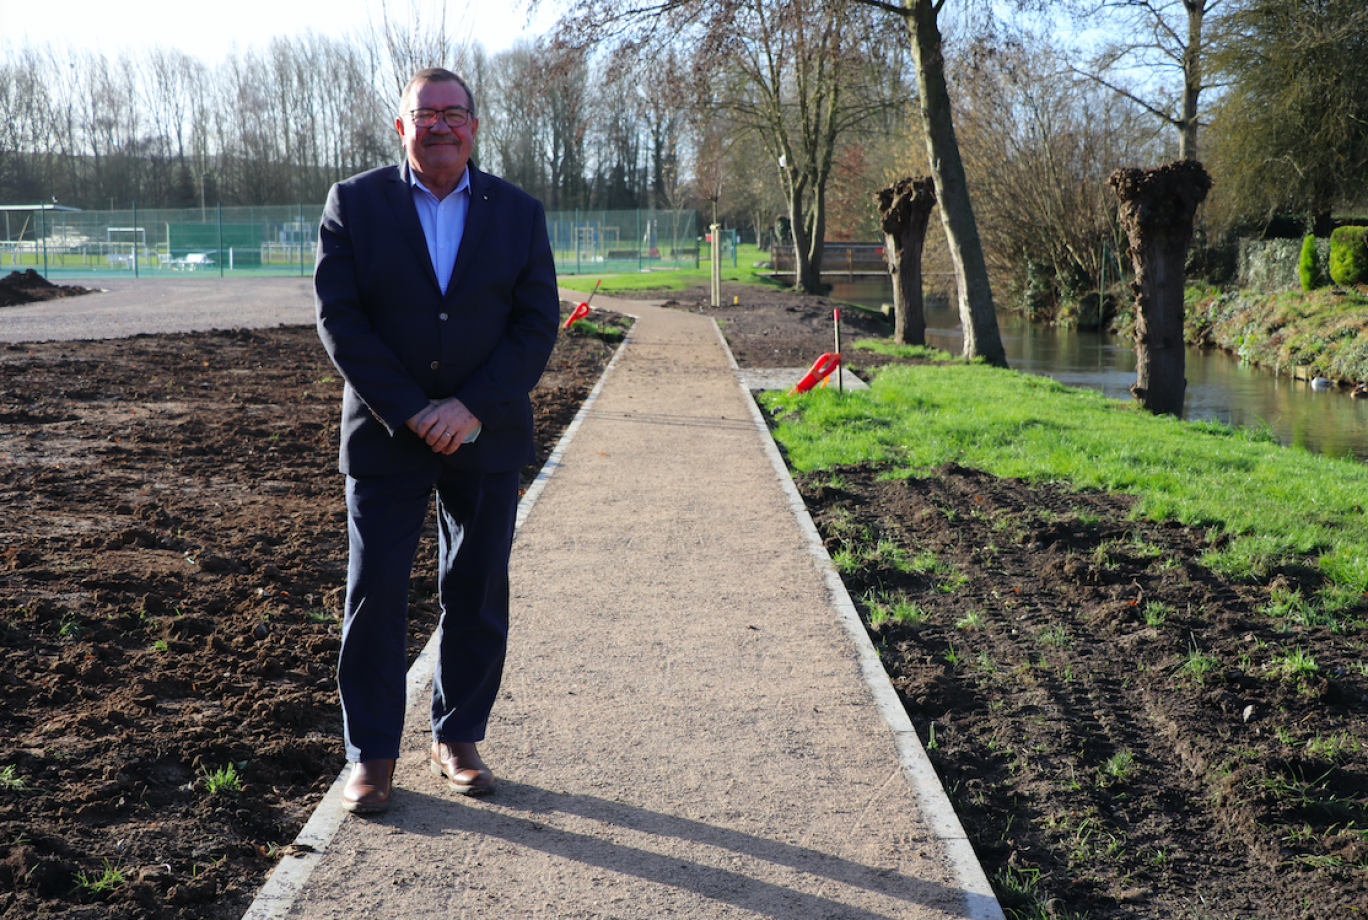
280, 241
253, 240
587, 242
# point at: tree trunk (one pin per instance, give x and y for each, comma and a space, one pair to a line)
1157, 209
1192, 79
977, 317
804, 278
817, 239
904, 211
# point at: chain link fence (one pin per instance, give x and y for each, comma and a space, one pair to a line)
162, 241
245, 241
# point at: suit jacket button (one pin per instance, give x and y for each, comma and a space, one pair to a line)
442, 317
435, 364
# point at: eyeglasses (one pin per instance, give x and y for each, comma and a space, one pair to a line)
455, 117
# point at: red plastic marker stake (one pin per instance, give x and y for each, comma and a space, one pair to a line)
821, 369
579, 312
582, 310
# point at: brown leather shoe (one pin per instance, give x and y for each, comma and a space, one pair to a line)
368, 788
460, 763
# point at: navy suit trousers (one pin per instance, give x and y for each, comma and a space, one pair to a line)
475, 519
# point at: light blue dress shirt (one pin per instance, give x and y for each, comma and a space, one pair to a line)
443, 223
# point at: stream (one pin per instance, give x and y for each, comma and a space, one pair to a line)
1219, 386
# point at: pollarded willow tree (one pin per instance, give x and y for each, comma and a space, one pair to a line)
796, 76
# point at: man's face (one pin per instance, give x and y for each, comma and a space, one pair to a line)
439, 151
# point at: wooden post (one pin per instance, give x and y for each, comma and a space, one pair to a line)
1157, 209
904, 210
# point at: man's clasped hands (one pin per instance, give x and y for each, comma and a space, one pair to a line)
445, 425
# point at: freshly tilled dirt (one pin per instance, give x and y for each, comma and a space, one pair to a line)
1117, 726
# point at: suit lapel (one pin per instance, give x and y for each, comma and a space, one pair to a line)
477, 217
399, 193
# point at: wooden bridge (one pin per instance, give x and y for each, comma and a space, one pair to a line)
841, 260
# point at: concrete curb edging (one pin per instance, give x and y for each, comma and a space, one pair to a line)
290, 875
939, 814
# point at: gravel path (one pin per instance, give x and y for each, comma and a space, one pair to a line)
685, 729
131, 306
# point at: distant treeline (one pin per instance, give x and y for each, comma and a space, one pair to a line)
280, 124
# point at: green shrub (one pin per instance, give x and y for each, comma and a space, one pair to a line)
1309, 265
1349, 255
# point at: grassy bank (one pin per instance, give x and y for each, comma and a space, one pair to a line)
1325, 332
1266, 509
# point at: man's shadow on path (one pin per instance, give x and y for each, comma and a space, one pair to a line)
518, 808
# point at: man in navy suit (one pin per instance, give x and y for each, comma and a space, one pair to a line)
437, 302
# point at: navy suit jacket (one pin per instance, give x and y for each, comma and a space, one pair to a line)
398, 342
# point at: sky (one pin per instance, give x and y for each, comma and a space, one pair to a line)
210, 31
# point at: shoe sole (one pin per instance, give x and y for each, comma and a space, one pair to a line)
463, 788
364, 808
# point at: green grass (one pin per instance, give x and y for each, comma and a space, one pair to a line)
1156, 612
224, 781
1294, 667
1118, 768
1275, 503
892, 349
971, 621
886, 607
675, 279
101, 883
11, 781
1198, 666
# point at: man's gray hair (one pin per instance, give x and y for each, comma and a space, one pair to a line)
434, 75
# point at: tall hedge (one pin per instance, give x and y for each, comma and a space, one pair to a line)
1309, 268
1349, 255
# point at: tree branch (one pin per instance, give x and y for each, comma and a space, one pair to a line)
895, 9
1158, 113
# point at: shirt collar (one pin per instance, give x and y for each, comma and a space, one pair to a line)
463, 185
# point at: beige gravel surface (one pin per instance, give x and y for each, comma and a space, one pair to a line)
687, 727
129, 306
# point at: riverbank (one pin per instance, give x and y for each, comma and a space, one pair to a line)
1317, 334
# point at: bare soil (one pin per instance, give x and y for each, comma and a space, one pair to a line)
171, 555
30, 287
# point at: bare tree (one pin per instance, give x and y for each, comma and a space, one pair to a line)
975, 293
511, 118
796, 74
26, 112
1159, 37
408, 43
1051, 234
665, 110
